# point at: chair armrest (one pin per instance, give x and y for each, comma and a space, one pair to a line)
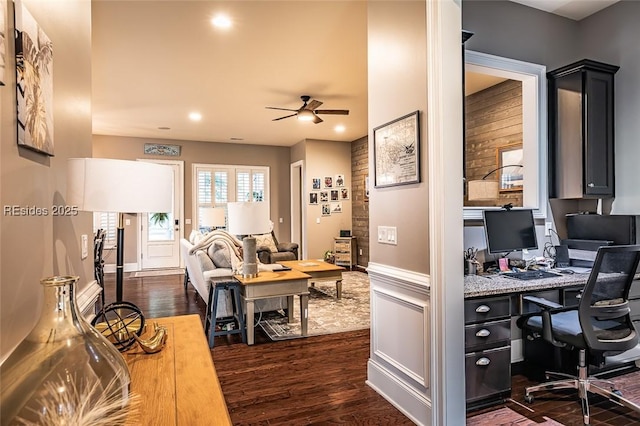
287, 246
262, 248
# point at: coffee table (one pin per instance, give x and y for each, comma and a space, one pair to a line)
319, 270
275, 284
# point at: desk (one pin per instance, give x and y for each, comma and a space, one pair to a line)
178, 385
275, 284
491, 344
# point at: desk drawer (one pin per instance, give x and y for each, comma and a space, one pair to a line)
477, 310
482, 336
342, 247
488, 373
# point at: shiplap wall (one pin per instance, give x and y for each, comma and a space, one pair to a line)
493, 119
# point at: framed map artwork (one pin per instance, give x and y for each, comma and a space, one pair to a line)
396, 152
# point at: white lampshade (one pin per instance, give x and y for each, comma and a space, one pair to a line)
249, 218
483, 190
121, 186
212, 216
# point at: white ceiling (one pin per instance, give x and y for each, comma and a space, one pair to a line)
573, 9
155, 61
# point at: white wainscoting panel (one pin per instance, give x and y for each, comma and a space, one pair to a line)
398, 337
398, 368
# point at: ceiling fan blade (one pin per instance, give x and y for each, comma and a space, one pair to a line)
282, 109
313, 105
332, 111
317, 119
286, 116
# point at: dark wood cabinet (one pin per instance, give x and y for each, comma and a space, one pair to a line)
581, 131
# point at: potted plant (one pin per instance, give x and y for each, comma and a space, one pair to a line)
159, 218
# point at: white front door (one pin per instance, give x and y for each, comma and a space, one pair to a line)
160, 233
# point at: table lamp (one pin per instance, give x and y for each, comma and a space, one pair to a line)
212, 217
484, 189
119, 186
249, 218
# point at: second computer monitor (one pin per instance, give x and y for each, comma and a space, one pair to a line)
510, 230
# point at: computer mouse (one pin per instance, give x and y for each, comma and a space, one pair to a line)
566, 271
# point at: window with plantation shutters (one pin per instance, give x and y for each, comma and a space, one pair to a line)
108, 222
216, 185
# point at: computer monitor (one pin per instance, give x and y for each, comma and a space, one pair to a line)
509, 230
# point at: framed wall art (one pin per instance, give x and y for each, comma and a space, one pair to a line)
510, 168
396, 152
159, 149
3, 36
34, 82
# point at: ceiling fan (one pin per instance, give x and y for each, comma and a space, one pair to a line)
308, 111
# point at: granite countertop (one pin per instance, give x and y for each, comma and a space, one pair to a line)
494, 284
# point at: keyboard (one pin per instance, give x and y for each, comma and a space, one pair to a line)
530, 275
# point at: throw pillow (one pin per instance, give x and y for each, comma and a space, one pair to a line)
195, 237
204, 260
220, 255
266, 240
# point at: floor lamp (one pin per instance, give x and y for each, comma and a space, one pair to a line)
119, 186
249, 219
484, 189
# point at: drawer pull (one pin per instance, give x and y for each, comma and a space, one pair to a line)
483, 309
591, 185
483, 333
484, 361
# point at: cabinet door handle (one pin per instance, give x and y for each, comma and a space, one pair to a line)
591, 185
484, 361
483, 309
483, 333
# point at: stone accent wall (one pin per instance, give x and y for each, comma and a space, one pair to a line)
493, 120
359, 202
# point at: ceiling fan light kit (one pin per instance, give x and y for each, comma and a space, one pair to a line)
308, 111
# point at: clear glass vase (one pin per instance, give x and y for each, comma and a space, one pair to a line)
64, 371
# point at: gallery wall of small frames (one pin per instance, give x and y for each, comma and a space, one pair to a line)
329, 192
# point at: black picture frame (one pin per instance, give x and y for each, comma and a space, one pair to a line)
396, 151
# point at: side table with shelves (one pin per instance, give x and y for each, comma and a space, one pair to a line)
345, 250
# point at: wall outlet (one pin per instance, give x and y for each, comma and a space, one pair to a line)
187, 221
548, 226
360, 251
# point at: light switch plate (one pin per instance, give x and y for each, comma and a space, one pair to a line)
84, 240
388, 235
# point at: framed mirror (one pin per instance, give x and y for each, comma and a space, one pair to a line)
505, 120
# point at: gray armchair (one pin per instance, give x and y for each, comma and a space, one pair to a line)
271, 251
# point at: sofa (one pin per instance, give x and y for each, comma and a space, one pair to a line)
213, 255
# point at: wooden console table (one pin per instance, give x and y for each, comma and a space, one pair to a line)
178, 385
275, 284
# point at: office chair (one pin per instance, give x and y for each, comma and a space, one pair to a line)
599, 326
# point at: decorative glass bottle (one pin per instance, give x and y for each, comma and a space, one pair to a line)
64, 371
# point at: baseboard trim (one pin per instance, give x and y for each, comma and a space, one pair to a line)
87, 298
415, 406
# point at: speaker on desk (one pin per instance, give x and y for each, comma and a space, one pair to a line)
562, 256
345, 233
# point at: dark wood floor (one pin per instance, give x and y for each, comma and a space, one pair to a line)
316, 380
321, 380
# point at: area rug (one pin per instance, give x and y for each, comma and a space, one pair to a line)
326, 313
157, 272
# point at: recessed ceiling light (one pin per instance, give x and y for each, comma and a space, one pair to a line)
221, 21
236, 139
164, 128
339, 128
195, 116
